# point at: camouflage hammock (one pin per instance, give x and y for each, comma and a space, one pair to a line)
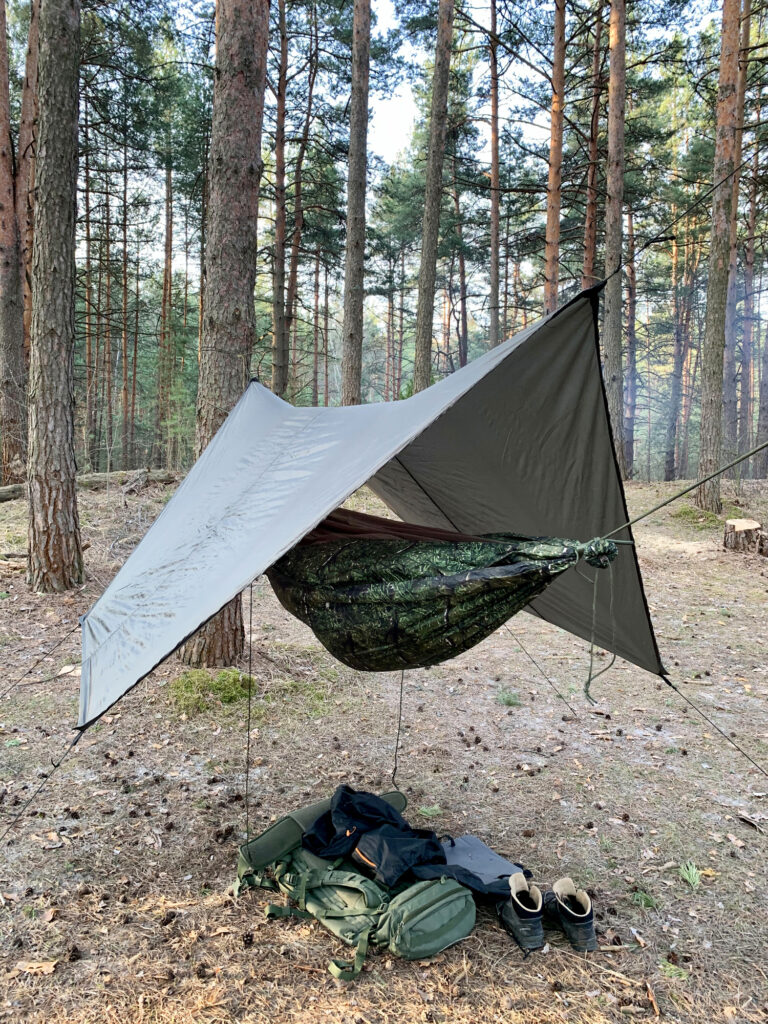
382, 595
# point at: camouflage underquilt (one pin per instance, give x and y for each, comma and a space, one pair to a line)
381, 605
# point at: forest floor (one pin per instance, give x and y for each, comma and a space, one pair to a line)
113, 890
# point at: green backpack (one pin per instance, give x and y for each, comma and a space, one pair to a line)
414, 921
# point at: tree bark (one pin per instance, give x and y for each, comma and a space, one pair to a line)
55, 551
25, 162
728, 120
13, 371
354, 257
463, 332
124, 436
630, 395
231, 255
612, 318
730, 372
747, 340
676, 383
588, 277
493, 298
761, 459
554, 181
422, 364
280, 338
298, 208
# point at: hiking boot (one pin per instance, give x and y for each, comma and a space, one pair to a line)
521, 914
570, 909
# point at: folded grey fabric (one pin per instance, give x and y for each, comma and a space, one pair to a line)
471, 853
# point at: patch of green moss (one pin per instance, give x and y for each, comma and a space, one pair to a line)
197, 689
698, 518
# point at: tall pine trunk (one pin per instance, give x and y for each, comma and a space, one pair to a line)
630, 393
730, 371
747, 341
493, 298
280, 338
354, 257
612, 318
588, 277
422, 363
55, 558
231, 254
728, 120
555, 177
13, 371
25, 162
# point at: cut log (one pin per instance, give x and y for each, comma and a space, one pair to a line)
100, 481
742, 535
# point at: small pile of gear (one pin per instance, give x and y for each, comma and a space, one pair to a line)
355, 864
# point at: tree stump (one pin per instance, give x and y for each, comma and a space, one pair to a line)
744, 535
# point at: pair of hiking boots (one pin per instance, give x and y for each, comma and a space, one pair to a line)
526, 912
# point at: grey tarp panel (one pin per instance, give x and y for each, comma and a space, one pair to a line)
516, 441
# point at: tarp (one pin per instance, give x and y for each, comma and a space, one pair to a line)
517, 441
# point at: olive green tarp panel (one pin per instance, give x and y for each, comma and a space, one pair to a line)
515, 441
529, 447
380, 603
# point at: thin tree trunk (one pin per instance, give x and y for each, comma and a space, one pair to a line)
234, 177
588, 277
747, 344
422, 363
298, 208
134, 458
89, 365
728, 119
761, 459
400, 329
730, 373
13, 375
630, 397
554, 181
280, 337
612, 318
108, 323
25, 163
354, 257
505, 317
124, 440
463, 316
493, 298
326, 315
673, 412
316, 331
55, 557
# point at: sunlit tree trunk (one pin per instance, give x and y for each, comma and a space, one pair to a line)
728, 120
554, 180
730, 371
354, 257
234, 177
422, 367
630, 395
588, 277
55, 557
612, 318
25, 161
493, 272
280, 338
13, 371
747, 341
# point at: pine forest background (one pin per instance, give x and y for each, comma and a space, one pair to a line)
146, 85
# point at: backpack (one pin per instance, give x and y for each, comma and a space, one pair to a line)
413, 921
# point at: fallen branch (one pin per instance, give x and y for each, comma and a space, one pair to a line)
99, 481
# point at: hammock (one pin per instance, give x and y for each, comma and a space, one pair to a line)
382, 595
